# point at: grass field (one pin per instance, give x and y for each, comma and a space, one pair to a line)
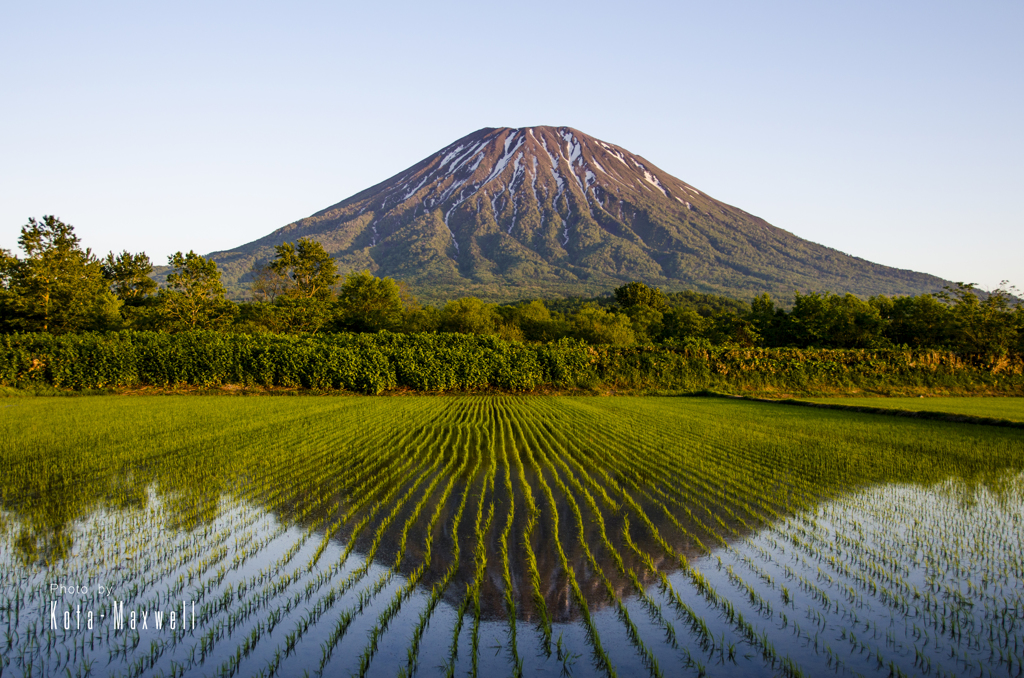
1011, 409
512, 535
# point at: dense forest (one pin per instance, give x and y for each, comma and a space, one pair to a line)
57, 287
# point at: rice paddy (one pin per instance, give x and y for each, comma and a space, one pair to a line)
504, 535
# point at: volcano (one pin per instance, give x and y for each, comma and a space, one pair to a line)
507, 213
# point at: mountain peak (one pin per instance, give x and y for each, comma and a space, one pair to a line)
513, 212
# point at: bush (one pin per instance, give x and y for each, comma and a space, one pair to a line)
375, 363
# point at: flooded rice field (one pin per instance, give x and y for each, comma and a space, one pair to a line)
499, 535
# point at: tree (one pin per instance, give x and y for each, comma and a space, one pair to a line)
267, 285
921, 321
128, 276
194, 297
646, 321
57, 286
409, 300
535, 321
981, 326
310, 271
639, 294
425, 319
367, 303
725, 327
469, 315
683, 323
595, 325
301, 315
835, 321
8, 297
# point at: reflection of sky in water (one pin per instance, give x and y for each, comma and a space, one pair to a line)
872, 576
851, 567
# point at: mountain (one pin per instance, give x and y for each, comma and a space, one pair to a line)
507, 213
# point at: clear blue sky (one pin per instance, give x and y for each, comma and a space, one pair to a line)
892, 131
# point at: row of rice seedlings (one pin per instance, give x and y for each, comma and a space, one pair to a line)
130, 590
278, 584
616, 460
880, 566
533, 513
921, 607
652, 607
414, 578
600, 656
506, 573
627, 469
691, 452
767, 475
693, 490
735, 482
744, 627
229, 601
695, 622
52, 636
481, 527
140, 587
759, 640
646, 656
335, 593
608, 501
816, 595
756, 599
371, 485
646, 462
480, 562
298, 489
439, 588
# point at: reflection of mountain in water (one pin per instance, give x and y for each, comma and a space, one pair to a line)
555, 585
695, 515
253, 534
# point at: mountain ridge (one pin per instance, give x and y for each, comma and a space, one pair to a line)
506, 213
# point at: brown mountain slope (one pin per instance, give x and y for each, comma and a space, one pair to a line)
508, 213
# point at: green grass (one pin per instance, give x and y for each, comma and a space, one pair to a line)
1011, 409
651, 536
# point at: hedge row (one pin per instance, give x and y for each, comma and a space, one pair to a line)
374, 363
728, 368
365, 363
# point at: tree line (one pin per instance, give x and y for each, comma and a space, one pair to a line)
56, 286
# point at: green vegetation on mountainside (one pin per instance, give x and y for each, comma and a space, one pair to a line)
508, 214
58, 287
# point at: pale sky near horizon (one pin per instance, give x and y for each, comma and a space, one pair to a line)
892, 131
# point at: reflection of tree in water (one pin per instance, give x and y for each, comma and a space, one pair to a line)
47, 503
245, 515
697, 495
712, 520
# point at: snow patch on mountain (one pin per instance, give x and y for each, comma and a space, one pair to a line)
479, 148
533, 183
653, 180
450, 155
503, 161
418, 187
573, 148
554, 173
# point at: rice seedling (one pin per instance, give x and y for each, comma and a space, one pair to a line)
664, 535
